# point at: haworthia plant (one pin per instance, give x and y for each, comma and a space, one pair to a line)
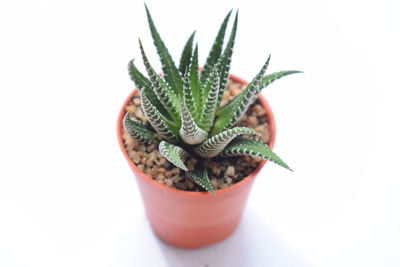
183, 105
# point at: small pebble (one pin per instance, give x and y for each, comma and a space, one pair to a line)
141, 148
136, 101
230, 171
131, 109
135, 157
212, 165
148, 171
169, 182
216, 171
175, 171
190, 184
252, 120
161, 170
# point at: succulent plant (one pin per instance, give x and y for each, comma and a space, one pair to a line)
183, 105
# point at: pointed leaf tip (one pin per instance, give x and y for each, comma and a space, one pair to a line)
200, 177
247, 146
173, 154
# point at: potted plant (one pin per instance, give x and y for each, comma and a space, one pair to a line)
184, 136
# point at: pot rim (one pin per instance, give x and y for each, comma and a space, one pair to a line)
271, 126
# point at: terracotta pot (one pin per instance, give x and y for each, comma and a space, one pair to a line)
193, 219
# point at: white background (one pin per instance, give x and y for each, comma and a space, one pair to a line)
68, 198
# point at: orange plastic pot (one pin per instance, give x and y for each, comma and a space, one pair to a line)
193, 219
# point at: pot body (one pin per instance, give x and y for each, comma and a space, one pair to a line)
194, 219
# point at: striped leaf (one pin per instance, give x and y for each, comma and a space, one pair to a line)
173, 154
200, 177
210, 107
138, 130
216, 50
171, 72
186, 54
190, 132
137, 77
247, 146
188, 96
225, 61
231, 115
161, 125
268, 79
194, 84
163, 92
214, 145
144, 86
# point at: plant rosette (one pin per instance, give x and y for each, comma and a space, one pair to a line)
185, 116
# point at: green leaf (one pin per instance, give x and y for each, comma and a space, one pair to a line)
137, 77
216, 50
172, 75
200, 177
190, 132
268, 79
247, 146
163, 127
210, 107
173, 154
232, 114
225, 61
188, 96
163, 92
138, 130
144, 86
186, 55
214, 145
194, 83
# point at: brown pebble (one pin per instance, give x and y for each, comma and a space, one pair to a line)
131, 109
136, 101
168, 182
139, 114
212, 165
190, 184
149, 163
141, 148
148, 171
177, 178
151, 148
216, 171
236, 91
162, 170
135, 157
175, 171
246, 159
252, 120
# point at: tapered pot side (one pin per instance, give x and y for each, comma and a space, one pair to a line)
194, 219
